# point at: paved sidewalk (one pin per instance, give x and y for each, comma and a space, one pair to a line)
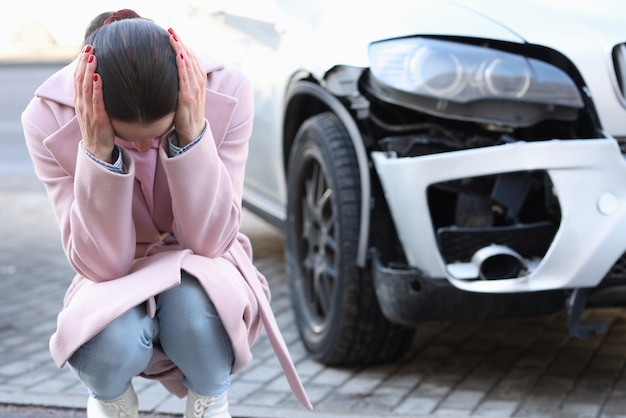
513, 368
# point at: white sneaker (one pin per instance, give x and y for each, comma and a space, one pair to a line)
207, 406
126, 406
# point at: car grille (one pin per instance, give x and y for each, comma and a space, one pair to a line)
458, 244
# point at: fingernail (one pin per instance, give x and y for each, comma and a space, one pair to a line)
87, 49
90, 60
171, 31
182, 57
95, 77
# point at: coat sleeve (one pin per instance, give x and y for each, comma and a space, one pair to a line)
92, 204
206, 181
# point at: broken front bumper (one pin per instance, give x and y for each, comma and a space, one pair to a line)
589, 179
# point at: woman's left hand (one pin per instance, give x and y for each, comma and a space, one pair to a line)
190, 119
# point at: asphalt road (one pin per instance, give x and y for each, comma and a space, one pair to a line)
17, 84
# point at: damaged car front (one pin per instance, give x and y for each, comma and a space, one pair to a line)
435, 160
521, 183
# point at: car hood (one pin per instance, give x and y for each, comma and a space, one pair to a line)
341, 33
343, 30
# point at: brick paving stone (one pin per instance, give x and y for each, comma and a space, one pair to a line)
581, 410
308, 368
418, 405
339, 402
538, 404
317, 393
383, 398
466, 400
436, 385
241, 391
496, 408
361, 383
260, 374
333, 377
480, 380
405, 378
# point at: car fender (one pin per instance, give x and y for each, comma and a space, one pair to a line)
310, 89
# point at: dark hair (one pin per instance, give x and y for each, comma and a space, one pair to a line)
138, 69
95, 23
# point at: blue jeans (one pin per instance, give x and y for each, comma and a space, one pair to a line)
187, 328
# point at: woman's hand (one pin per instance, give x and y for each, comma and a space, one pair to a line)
190, 119
93, 119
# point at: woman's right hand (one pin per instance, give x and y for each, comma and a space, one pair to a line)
93, 119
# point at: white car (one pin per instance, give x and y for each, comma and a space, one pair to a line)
434, 160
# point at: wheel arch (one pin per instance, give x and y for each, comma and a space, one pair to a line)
307, 98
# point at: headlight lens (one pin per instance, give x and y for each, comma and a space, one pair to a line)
463, 73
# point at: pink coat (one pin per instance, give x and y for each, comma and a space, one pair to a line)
127, 236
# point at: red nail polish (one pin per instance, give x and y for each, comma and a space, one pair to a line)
87, 49
182, 57
90, 60
171, 31
95, 77
175, 37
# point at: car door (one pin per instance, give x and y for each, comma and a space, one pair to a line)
247, 34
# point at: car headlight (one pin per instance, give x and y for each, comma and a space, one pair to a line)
460, 73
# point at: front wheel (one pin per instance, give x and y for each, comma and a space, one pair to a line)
337, 313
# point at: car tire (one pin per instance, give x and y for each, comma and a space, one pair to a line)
337, 312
